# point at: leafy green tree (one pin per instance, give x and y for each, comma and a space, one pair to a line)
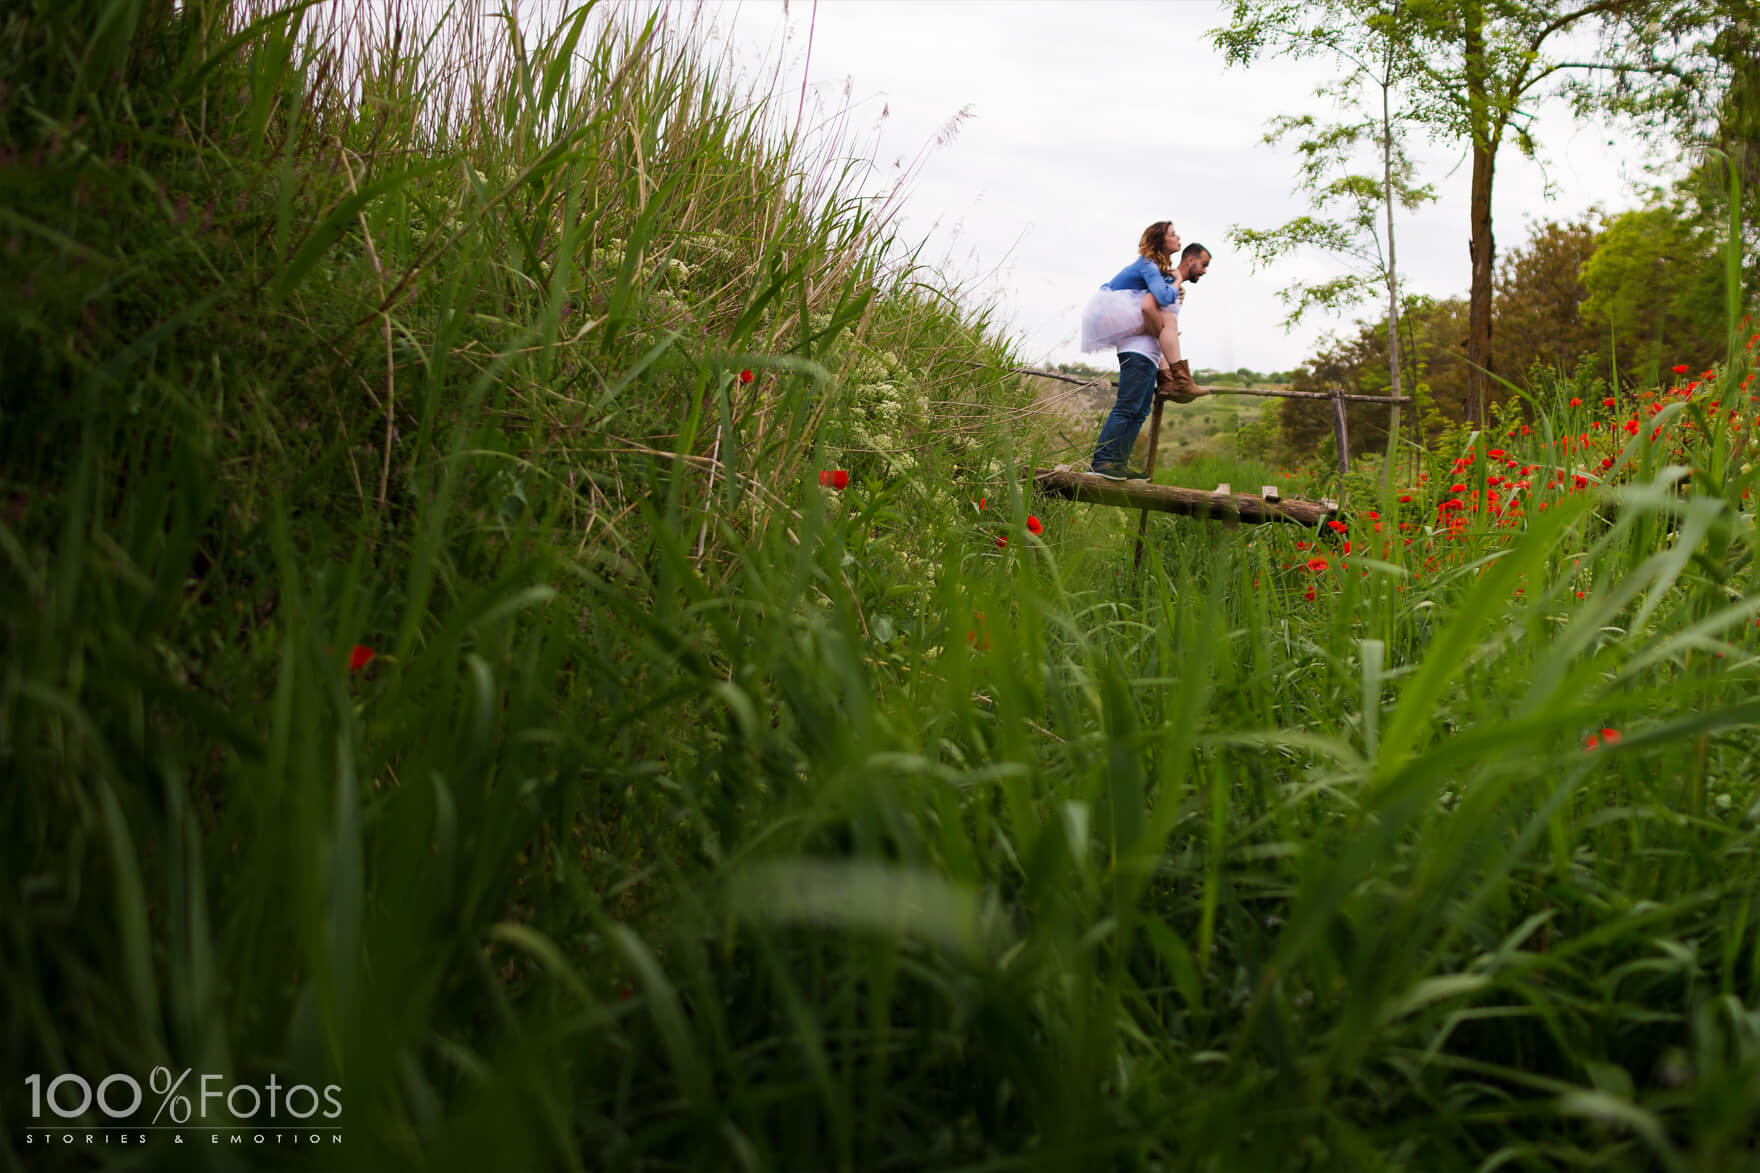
1432, 368
1712, 111
1655, 283
1470, 70
1538, 312
1354, 209
1488, 60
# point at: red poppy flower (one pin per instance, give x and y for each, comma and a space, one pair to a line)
1680, 368
1033, 525
834, 478
1575, 402
1337, 527
745, 376
1316, 565
1001, 542
359, 657
1308, 594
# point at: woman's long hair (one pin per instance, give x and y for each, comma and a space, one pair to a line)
1152, 245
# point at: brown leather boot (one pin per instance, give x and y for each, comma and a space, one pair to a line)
1181, 388
1164, 384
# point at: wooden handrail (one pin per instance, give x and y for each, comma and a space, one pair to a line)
1263, 393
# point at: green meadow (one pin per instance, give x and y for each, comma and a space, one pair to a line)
440, 664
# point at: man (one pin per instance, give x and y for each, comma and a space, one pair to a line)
1138, 356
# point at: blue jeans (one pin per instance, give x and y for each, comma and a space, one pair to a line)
1136, 394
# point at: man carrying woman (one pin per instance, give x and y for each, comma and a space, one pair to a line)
1137, 312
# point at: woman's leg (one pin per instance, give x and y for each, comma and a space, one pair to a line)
1174, 379
1164, 326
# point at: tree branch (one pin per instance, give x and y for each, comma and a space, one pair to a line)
1571, 18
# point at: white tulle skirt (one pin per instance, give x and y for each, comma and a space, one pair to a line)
1111, 316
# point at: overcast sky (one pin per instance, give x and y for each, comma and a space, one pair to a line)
1089, 120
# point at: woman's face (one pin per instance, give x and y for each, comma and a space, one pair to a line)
1170, 243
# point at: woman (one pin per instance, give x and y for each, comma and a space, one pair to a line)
1144, 298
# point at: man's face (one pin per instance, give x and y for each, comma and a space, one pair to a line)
1197, 267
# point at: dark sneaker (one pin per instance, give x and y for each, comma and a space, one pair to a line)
1119, 472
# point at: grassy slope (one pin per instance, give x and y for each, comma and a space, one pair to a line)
692, 815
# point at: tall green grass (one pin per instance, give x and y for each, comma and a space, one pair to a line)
691, 814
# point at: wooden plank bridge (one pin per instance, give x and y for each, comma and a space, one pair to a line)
1221, 503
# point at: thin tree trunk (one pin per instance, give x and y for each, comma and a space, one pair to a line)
1484, 249
1392, 266
1485, 133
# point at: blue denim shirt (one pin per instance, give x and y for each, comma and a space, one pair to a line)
1142, 274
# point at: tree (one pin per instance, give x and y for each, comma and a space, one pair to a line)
1355, 210
1487, 58
1538, 311
1655, 284
1431, 366
1713, 110
1469, 69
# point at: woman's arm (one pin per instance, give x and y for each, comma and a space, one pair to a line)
1166, 291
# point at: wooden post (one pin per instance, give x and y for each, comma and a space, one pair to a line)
1392, 447
1338, 427
1148, 467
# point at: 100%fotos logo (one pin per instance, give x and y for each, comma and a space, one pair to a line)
119, 1097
